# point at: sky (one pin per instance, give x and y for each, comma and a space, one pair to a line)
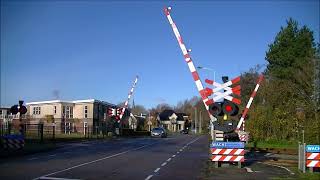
83, 49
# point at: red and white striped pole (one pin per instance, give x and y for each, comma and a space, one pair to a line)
242, 119
191, 66
129, 96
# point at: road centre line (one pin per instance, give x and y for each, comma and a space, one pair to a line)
163, 164
157, 170
30, 159
94, 161
149, 177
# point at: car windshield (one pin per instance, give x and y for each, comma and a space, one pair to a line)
157, 129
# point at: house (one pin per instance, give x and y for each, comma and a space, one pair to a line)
173, 121
74, 116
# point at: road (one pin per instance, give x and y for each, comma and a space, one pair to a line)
133, 158
175, 157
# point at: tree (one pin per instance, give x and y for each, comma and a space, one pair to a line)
139, 109
289, 87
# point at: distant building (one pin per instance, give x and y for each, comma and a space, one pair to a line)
73, 116
7, 116
173, 121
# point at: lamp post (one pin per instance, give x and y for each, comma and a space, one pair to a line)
209, 69
214, 79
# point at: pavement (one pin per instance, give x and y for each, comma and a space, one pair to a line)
176, 157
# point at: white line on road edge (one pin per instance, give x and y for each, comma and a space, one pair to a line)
173, 155
292, 173
94, 161
249, 170
169, 159
32, 159
163, 164
157, 170
149, 177
54, 178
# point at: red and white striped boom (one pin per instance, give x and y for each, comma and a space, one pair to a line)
129, 96
188, 60
242, 120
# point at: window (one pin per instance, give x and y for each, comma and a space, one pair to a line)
67, 111
54, 109
85, 111
36, 110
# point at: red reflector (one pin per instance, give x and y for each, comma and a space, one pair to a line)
228, 108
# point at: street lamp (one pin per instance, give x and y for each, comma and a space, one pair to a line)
209, 69
214, 79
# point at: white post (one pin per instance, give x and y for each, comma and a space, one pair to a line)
195, 120
200, 123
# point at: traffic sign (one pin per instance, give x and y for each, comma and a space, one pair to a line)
228, 145
313, 148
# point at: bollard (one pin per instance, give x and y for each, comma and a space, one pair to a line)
53, 132
41, 133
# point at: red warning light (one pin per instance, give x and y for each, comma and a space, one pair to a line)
228, 108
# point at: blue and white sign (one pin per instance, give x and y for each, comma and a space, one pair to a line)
228, 145
313, 148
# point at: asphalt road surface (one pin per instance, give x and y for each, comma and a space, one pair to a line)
175, 157
178, 157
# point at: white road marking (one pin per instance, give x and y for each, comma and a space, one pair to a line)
54, 178
292, 173
94, 161
51, 155
32, 159
149, 177
249, 170
157, 170
163, 164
